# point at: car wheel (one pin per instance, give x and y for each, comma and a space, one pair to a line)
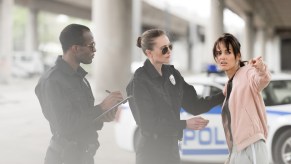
282, 148
136, 139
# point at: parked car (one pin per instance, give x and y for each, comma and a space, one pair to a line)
26, 65
209, 145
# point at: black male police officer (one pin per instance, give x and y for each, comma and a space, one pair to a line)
67, 101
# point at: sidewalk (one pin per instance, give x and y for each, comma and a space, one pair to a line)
24, 131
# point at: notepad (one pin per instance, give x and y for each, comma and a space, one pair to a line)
112, 108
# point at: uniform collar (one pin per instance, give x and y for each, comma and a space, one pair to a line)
152, 70
66, 68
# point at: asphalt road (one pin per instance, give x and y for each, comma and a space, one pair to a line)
25, 134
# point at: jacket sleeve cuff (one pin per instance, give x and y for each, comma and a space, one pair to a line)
262, 71
182, 124
97, 111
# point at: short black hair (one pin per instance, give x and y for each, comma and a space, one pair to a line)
72, 35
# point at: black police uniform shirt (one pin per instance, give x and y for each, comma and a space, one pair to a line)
157, 100
67, 103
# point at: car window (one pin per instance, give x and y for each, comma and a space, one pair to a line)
206, 90
277, 93
199, 88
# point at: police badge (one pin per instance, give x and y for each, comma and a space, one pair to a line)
172, 79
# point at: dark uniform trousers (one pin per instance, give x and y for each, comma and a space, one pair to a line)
155, 149
70, 153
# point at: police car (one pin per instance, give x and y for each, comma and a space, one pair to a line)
209, 145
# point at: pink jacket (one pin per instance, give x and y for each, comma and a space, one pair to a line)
247, 108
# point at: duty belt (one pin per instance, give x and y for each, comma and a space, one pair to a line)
59, 144
155, 135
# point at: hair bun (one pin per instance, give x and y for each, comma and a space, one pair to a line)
138, 43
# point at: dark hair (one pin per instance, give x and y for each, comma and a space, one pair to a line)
72, 35
228, 39
146, 40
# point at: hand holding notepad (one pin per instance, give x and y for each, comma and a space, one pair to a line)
109, 106
104, 116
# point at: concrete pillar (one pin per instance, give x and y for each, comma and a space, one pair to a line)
31, 35
112, 30
272, 56
136, 30
248, 42
191, 37
276, 56
215, 29
1, 25
6, 39
260, 45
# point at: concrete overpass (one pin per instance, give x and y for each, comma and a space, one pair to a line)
150, 16
119, 22
269, 23
274, 14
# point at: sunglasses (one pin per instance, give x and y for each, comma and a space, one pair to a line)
90, 46
166, 49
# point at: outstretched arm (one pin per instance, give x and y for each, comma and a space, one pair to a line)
195, 105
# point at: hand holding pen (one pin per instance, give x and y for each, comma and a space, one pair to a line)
112, 99
107, 91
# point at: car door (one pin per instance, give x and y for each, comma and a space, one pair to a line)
208, 144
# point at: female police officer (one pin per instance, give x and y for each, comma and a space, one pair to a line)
159, 91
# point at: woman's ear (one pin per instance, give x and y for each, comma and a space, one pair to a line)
238, 57
149, 53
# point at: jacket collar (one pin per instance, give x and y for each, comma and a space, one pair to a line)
66, 68
149, 67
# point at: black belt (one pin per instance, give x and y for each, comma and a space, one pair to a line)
156, 136
60, 144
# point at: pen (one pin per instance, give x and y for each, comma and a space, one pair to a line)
107, 91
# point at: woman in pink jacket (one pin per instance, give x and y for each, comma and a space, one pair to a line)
243, 112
